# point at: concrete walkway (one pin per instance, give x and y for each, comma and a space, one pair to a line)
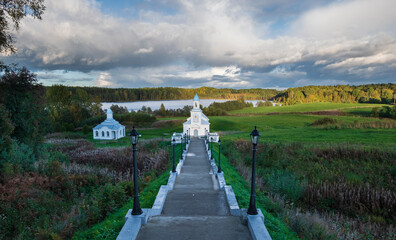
195, 208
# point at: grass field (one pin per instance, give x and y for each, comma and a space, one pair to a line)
296, 128
307, 107
297, 158
287, 127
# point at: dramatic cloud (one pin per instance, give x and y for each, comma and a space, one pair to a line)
225, 43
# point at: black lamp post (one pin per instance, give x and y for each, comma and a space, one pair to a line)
219, 169
173, 162
207, 137
211, 147
181, 147
136, 204
185, 142
252, 210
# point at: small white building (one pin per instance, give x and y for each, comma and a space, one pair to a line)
109, 128
198, 124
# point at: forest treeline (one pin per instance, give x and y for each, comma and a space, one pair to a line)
371, 93
171, 93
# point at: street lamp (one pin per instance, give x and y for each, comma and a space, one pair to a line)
252, 210
185, 142
219, 169
136, 204
181, 147
207, 137
173, 146
211, 147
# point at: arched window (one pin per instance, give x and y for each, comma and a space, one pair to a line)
96, 133
196, 105
108, 134
102, 134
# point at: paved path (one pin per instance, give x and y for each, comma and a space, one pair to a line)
195, 208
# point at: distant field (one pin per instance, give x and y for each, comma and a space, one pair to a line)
295, 128
308, 107
285, 127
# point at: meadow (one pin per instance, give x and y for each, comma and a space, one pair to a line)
315, 164
312, 177
307, 107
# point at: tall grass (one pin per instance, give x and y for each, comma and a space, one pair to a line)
71, 185
320, 189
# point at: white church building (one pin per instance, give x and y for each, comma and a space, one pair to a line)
109, 128
197, 124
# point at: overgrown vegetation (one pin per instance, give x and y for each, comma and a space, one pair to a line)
241, 187
332, 123
69, 185
384, 112
331, 189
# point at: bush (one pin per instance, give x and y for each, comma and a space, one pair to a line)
393, 171
324, 121
286, 184
264, 104
20, 156
86, 129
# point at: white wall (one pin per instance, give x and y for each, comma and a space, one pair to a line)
192, 127
110, 136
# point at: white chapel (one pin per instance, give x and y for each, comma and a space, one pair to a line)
197, 124
109, 128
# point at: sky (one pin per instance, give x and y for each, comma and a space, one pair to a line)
218, 43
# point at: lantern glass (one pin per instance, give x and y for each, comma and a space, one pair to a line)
134, 136
219, 142
255, 135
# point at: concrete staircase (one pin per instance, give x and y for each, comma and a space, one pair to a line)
196, 208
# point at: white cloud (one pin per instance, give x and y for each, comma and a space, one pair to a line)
217, 40
351, 19
104, 80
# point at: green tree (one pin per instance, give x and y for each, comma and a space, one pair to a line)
13, 11
162, 110
24, 100
6, 128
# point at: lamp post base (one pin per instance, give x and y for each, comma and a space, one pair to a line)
137, 212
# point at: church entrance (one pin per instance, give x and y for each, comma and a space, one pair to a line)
195, 133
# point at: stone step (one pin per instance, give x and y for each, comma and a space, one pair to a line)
202, 227
188, 203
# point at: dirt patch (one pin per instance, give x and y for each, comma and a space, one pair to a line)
329, 112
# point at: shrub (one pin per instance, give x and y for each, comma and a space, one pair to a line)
21, 156
264, 104
286, 184
86, 129
393, 171
324, 122
375, 112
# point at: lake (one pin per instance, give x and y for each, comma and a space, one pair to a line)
169, 104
